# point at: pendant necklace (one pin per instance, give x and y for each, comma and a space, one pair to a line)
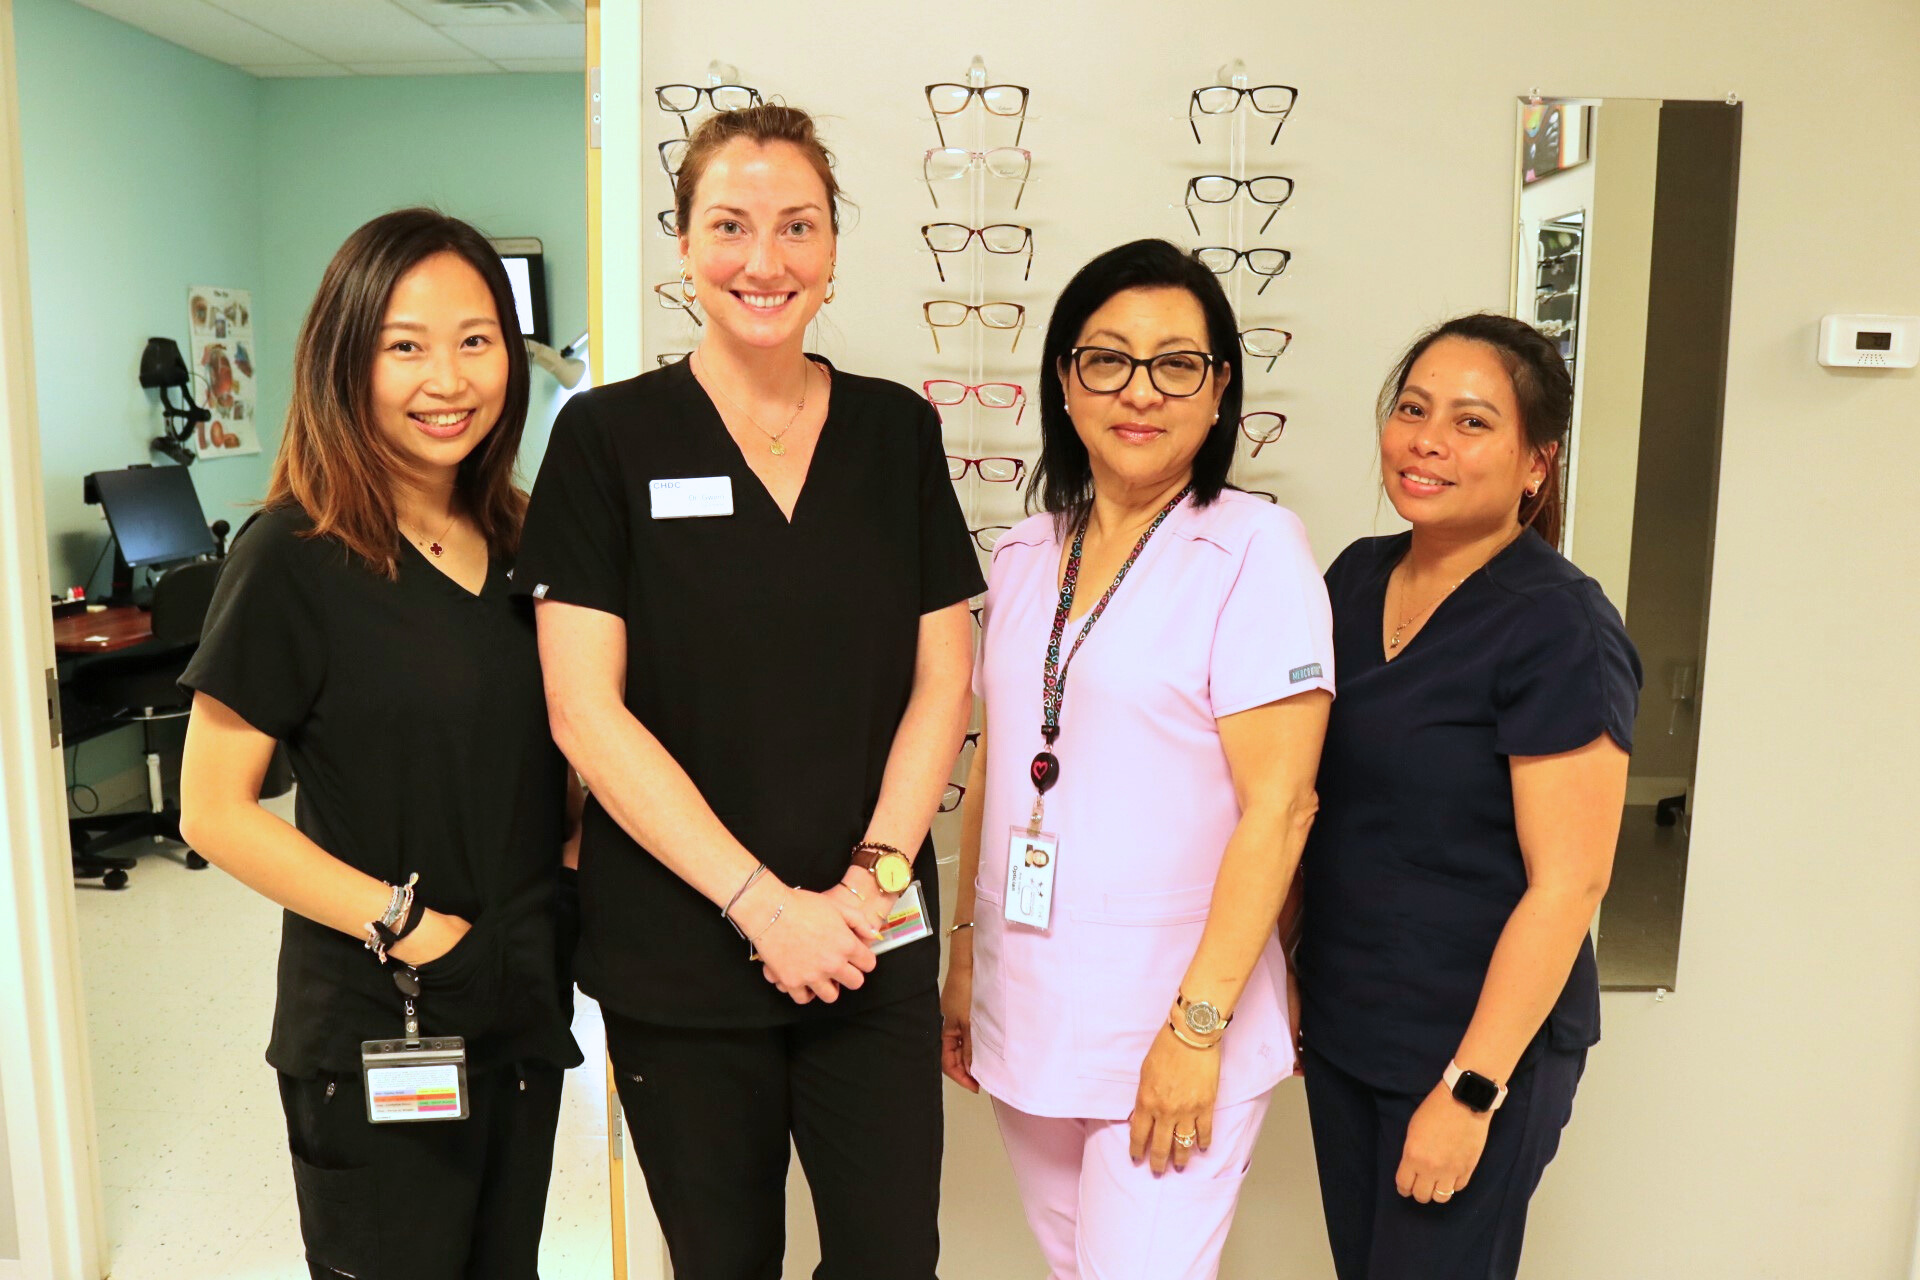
436, 545
1393, 641
1045, 769
777, 449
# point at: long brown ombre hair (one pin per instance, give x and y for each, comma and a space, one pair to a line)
333, 462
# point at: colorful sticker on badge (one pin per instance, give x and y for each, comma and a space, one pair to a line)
907, 923
429, 1092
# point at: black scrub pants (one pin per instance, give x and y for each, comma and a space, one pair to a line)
426, 1200
1359, 1133
711, 1113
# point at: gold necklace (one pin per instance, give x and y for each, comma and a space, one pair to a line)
435, 545
1393, 641
775, 447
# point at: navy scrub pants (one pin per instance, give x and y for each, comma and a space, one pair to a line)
1359, 1133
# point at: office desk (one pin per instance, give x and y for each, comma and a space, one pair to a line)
119, 626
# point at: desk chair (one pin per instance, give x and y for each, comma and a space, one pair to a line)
141, 687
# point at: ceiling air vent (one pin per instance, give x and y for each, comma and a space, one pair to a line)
475, 13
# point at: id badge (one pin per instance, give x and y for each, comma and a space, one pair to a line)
415, 1080
907, 923
690, 497
1030, 864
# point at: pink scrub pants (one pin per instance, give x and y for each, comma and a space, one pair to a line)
1100, 1216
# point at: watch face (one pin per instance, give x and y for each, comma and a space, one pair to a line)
893, 872
1204, 1019
1476, 1092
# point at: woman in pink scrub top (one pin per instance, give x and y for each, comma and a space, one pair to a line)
1157, 669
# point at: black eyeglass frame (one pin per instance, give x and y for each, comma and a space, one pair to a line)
1246, 256
1134, 365
708, 91
1239, 185
1242, 95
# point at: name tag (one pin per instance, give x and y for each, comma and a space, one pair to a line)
691, 497
418, 1080
907, 922
1030, 867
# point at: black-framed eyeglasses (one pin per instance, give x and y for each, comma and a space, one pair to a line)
1008, 100
671, 298
1104, 371
1217, 188
1271, 263
944, 164
1220, 99
992, 470
1263, 428
996, 237
666, 358
672, 152
1265, 344
945, 313
669, 223
950, 798
682, 99
987, 536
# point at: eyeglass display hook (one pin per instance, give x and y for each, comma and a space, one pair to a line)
1232, 74
977, 73
719, 73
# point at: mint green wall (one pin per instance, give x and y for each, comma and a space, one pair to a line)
142, 166
506, 153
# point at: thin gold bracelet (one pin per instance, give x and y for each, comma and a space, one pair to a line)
1181, 1036
955, 928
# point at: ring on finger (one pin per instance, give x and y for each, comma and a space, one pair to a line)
1185, 1139
1443, 1195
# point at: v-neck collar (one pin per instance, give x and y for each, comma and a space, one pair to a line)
739, 468
1396, 552
486, 581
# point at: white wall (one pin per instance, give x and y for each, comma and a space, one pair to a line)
1762, 1122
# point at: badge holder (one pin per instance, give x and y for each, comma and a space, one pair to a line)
907, 922
414, 1078
1032, 855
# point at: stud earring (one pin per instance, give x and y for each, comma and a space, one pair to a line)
686, 284
1533, 491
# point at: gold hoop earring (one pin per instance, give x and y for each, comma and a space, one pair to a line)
686, 285
830, 291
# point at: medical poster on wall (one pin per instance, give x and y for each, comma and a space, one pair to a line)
220, 357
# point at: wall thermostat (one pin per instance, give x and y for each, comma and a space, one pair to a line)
1870, 342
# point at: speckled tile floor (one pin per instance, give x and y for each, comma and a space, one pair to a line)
178, 970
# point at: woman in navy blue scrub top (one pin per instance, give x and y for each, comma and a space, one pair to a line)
1470, 797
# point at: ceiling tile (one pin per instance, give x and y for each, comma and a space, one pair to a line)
543, 65
350, 31
541, 40
205, 29
297, 69
473, 67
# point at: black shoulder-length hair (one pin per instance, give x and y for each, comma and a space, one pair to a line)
1063, 478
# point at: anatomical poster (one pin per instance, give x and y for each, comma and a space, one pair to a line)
220, 358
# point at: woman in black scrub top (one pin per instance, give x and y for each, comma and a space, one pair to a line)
753, 575
1470, 796
364, 620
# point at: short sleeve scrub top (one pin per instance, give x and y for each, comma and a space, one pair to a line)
1414, 865
773, 659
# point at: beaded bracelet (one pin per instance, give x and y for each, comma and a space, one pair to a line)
753, 943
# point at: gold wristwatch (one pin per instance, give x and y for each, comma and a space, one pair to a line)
892, 869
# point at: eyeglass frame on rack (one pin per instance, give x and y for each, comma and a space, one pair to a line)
666, 358
978, 91
1026, 243
976, 157
669, 220
673, 168
1019, 395
1239, 185
660, 100
1241, 95
958, 791
1287, 341
975, 308
1246, 256
977, 465
985, 528
669, 294
1134, 365
1262, 441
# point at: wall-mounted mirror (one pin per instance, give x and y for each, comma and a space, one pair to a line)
1623, 252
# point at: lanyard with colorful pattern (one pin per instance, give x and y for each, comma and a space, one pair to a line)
1046, 765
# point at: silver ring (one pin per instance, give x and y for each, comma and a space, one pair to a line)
1443, 1195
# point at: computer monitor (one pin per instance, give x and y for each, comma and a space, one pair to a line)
526, 265
154, 514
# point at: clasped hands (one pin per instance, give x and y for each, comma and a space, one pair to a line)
818, 943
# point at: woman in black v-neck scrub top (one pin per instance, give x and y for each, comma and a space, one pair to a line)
412, 708
750, 694
1470, 795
